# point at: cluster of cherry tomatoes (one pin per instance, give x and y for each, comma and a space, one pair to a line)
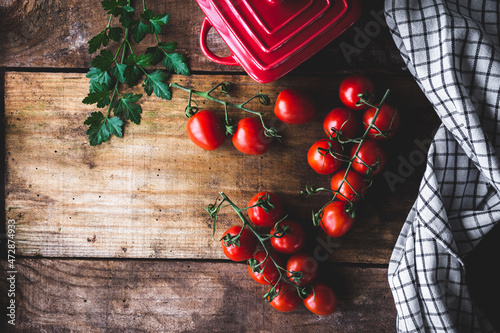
349, 157
250, 136
208, 131
291, 281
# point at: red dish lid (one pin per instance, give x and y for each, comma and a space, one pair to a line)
269, 38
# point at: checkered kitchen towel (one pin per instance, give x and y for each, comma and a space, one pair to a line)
452, 48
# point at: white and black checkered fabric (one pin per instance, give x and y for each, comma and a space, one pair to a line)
452, 48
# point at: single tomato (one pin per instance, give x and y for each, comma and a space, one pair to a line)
288, 237
250, 137
343, 121
242, 248
353, 86
386, 124
322, 301
268, 214
294, 107
301, 268
287, 299
324, 156
349, 185
370, 157
206, 130
337, 218
262, 268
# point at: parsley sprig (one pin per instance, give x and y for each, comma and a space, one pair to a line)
110, 72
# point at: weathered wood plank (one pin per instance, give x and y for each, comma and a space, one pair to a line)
142, 196
184, 296
26, 43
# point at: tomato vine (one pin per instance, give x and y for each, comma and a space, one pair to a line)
290, 278
340, 188
225, 88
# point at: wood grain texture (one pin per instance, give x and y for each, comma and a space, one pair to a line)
142, 196
184, 296
26, 43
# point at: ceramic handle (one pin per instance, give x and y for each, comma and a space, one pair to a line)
205, 28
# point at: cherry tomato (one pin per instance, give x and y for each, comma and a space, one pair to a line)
351, 87
321, 156
341, 120
294, 107
259, 216
336, 220
352, 188
287, 299
288, 237
270, 273
370, 157
249, 137
322, 301
206, 130
304, 263
244, 247
386, 124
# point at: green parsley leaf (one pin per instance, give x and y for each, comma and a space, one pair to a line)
157, 54
97, 41
112, 6
99, 93
126, 106
101, 128
118, 71
168, 46
141, 60
132, 74
126, 17
97, 75
139, 31
156, 23
175, 62
103, 61
115, 33
155, 82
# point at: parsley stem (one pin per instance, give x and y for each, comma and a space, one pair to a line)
109, 21
115, 89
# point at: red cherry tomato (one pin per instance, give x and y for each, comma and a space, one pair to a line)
341, 120
294, 107
250, 137
243, 248
206, 130
288, 237
287, 299
259, 216
322, 301
270, 273
306, 265
370, 157
336, 220
352, 188
386, 124
351, 87
321, 156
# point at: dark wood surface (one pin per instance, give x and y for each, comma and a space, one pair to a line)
110, 239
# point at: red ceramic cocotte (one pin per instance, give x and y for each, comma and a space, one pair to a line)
269, 38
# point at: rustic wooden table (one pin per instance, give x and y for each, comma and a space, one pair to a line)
114, 237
